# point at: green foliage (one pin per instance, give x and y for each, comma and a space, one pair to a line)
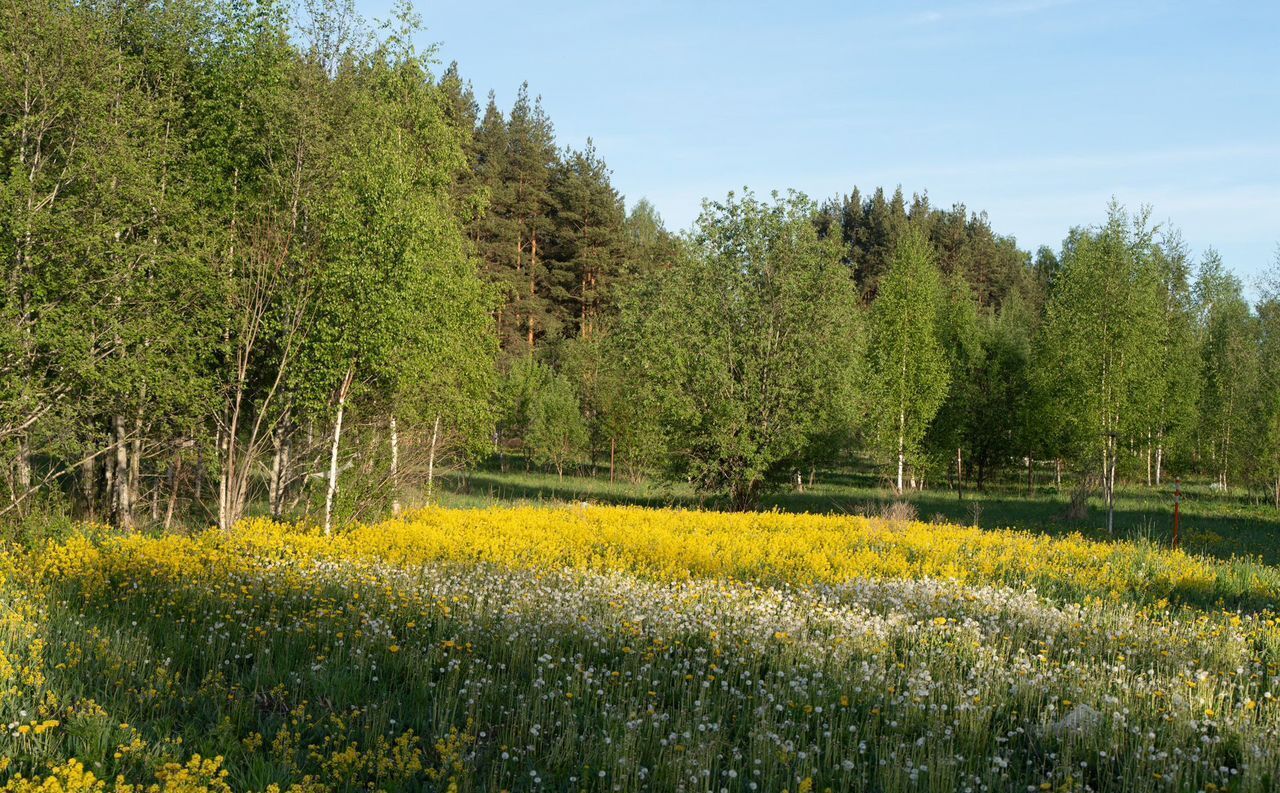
556, 435
744, 344
224, 224
1268, 404
517, 391
965, 244
909, 366
1229, 360
1176, 388
991, 414
1098, 353
587, 247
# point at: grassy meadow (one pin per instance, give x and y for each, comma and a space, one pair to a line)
623, 648
1223, 525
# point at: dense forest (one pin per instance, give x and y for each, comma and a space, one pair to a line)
259, 262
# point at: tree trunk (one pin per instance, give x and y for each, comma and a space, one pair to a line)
135, 461
395, 467
431, 458
277, 473
224, 520
1150, 479
1110, 479
124, 508
286, 475
613, 446
515, 314
89, 486
1031, 482
1226, 446
175, 479
902, 446
199, 488
109, 475
333, 452
23, 464
1057, 473
533, 284
585, 321
1159, 462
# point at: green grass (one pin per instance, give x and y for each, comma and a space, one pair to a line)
1212, 523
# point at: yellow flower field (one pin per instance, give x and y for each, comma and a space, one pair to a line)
628, 649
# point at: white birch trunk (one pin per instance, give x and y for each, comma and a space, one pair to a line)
124, 508
1111, 485
223, 473
333, 452
277, 454
902, 445
135, 463
286, 458
175, 478
24, 464
431, 458
395, 467
109, 476
89, 485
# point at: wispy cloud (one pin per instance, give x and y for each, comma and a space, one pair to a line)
997, 10
1242, 155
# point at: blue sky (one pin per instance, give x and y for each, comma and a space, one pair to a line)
1037, 111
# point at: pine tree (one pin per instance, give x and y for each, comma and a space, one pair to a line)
531, 159
586, 256
494, 231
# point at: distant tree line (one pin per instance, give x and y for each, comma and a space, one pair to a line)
267, 262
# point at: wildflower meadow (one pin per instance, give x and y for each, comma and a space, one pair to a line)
611, 649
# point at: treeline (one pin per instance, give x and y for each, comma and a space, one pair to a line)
788, 336
236, 265
259, 262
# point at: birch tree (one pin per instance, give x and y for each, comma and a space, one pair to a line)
1176, 388
1229, 357
1098, 351
908, 363
396, 297
1268, 311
